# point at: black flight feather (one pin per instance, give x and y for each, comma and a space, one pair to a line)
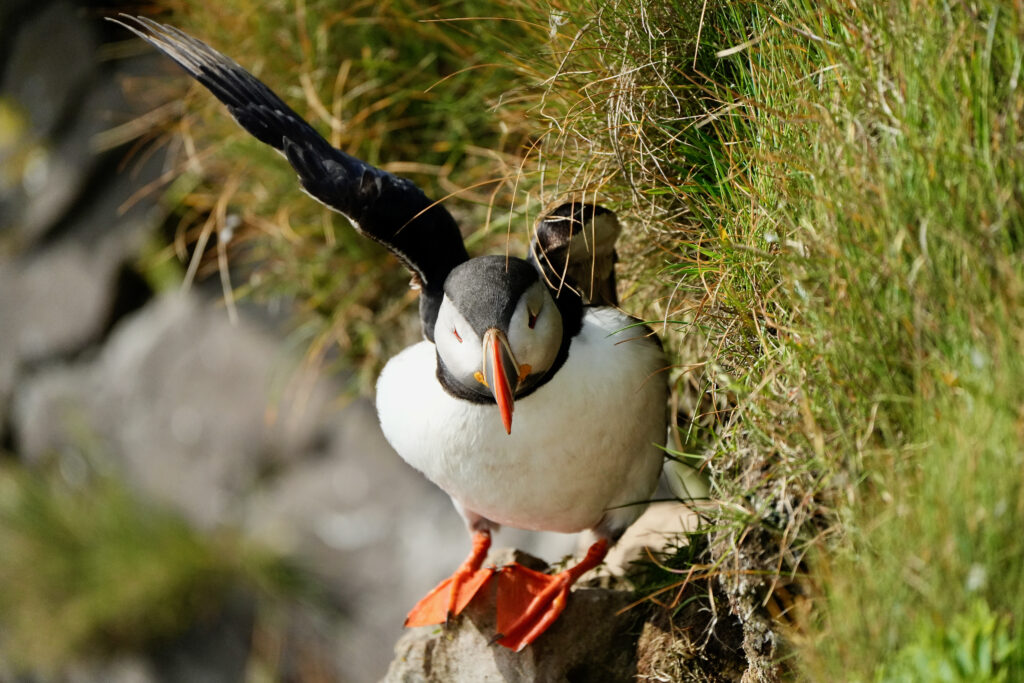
381, 206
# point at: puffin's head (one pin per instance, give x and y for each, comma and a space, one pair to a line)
498, 330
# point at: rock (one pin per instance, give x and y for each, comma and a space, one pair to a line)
59, 185
178, 397
51, 304
54, 303
374, 531
58, 295
46, 153
51, 64
590, 641
56, 103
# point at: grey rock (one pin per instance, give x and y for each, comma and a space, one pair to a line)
360, 517
51, 63
56, 303
54, 118
50, 304
179, 398
590, 641
54, 181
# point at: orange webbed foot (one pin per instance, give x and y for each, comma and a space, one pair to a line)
529, 602
450, 597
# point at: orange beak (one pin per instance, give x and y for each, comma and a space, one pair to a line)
500, 369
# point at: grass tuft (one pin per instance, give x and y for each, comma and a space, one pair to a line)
88, 570
885, 426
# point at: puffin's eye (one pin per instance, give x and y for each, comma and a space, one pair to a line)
456, 333
531, 318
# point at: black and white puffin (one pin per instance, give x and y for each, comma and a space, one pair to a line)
538, 339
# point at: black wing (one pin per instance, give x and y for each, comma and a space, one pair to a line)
574, 247
381, 206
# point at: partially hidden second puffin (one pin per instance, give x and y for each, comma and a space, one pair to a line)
532, 401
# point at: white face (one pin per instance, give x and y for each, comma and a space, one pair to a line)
534, 334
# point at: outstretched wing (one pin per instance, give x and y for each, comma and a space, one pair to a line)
574, 246
381, 206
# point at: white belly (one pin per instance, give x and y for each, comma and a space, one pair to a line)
583, 445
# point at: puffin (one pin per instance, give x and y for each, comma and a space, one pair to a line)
532, 401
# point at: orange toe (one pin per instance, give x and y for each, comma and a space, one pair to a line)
528, 603
441, 604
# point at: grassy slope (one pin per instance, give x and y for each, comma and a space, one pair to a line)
913, 215
887, 141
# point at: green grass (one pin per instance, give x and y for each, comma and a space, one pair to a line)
823, 208
88, 570
882, 142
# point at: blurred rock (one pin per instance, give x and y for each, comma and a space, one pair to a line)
60, 174
590, 641
46, 151
56, 98
51, 64
55, 302
179, 398
57, 299
60, 300
51, 304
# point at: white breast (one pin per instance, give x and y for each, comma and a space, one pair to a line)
584, 445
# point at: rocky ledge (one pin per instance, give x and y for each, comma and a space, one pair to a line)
594, 640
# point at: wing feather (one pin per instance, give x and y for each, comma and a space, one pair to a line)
381, 206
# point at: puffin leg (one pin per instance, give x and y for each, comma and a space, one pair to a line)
529, 602
452, 595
